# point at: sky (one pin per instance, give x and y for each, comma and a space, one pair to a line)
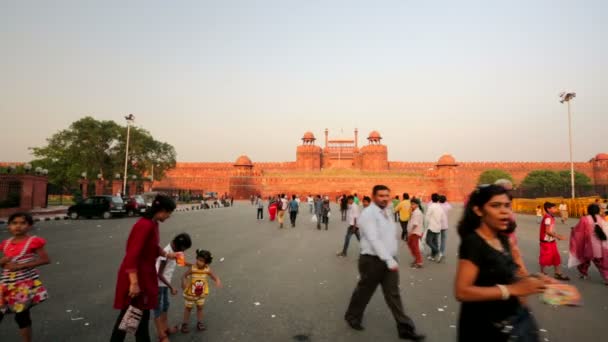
217, 79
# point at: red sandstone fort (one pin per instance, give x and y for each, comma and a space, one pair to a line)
342, 166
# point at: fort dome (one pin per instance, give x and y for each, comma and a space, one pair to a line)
601, 156
446, 160
243, 161
308, 136
374, 135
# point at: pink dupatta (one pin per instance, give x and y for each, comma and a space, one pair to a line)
584, 244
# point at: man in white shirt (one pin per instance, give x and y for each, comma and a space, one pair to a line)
311, 203
352, 214
378, 265
443, 202
434, 218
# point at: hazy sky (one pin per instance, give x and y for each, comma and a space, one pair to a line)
478, 79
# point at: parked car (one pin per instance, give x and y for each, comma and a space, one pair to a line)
99, 206
135, 205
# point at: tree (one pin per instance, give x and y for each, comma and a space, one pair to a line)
579, 178
548, 182
98, 147
491, 176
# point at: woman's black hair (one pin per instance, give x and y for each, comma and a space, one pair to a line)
160, 203
478, 198
593, 210
205, 255
26, 216
417, 202
548, 205
182, 241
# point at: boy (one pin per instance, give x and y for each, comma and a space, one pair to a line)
165, 269
549, 254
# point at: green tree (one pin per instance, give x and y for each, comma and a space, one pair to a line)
98, 147
551, 182
491, 176
579, 178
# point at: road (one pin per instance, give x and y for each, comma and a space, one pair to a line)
279, 285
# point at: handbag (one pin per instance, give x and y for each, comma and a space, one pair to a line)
520, 327
130, 321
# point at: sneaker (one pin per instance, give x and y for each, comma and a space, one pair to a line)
439, 258
562, 277
430, 258
412, 336
340, 254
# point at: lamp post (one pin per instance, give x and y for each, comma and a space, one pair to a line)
566, 97
130, 119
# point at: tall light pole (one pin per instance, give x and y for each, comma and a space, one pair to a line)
130, 119
566, 97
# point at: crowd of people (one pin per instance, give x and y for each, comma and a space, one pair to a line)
491, 280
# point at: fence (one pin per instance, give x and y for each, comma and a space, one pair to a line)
576, 207
561, 191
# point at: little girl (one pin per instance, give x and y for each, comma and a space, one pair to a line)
197, 289
20, 288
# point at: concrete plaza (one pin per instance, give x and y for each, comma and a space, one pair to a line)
279, 285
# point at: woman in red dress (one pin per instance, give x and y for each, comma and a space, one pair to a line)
137, 282
272, 210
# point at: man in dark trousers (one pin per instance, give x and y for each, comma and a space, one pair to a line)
378, 265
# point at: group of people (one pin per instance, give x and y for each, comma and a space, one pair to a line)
491, 280
280, 205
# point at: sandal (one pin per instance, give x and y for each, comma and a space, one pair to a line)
200, 326
184, 329
172, 331
560, 276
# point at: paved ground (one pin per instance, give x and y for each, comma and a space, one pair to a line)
301, 286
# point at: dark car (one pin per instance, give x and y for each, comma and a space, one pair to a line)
135, 205
99, 206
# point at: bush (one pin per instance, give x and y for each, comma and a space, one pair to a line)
491, 176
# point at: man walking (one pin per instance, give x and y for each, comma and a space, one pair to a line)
352, 214
443, 202
343, 206
294, 207
404, 209
282, 208
434, 216
319, 211
378, 266
260, 205
311, 203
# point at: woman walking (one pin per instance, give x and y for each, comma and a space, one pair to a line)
137, 283
588, 243
486, 282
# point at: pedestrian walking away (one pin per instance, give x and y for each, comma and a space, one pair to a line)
433, 217
260, 206
294, 207
416, 230
282, 209
343, 206
404, 211
319, 210
352, 214
311, 203
325, 212
443, 202
378, 266
588, 243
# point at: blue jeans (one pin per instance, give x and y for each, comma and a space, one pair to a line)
444, 235
349, 233
433, 242
163, 301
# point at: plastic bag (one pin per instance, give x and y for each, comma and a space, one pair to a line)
314, 219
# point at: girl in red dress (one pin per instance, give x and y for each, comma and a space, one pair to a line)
20, 288
137, 282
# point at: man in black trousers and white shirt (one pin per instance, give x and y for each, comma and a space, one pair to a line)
378, 265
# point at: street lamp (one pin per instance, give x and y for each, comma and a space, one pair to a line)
45, 172
27, 167
130, 119
566, 97
83, 175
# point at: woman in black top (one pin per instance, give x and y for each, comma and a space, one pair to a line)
486, 281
